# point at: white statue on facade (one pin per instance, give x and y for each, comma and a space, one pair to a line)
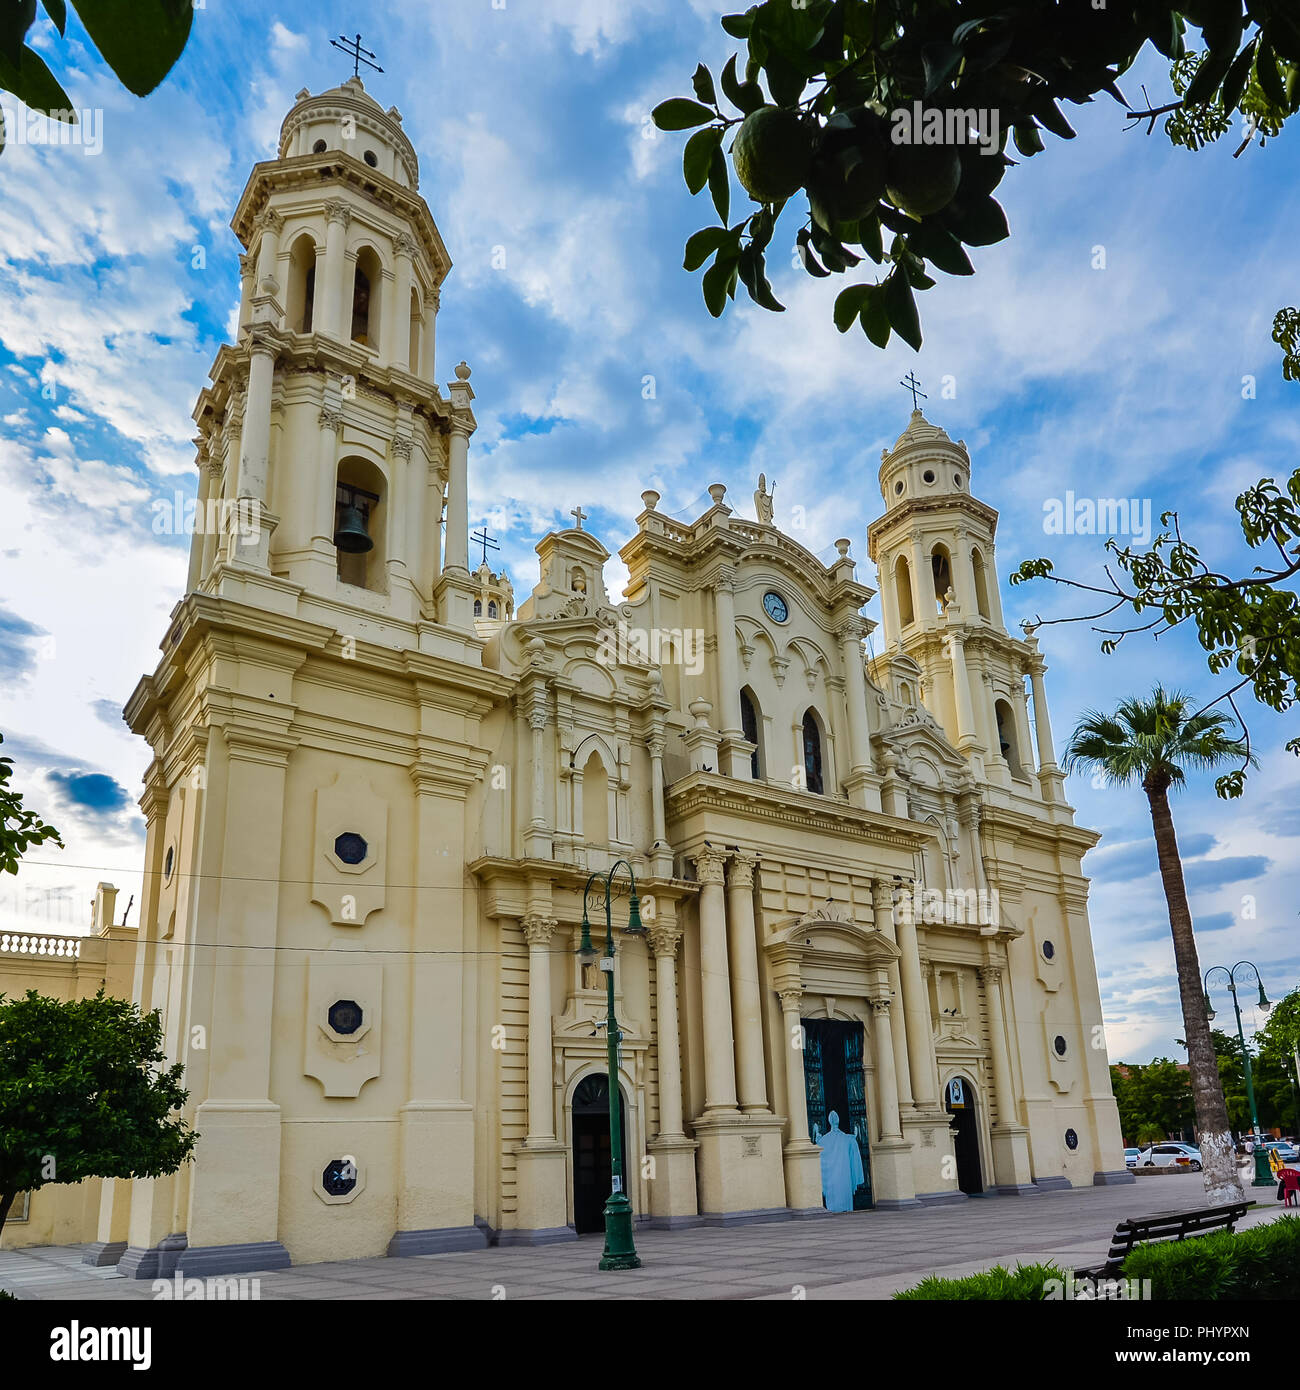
841, 1166
763, 501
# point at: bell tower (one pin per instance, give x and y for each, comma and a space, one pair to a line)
327, 452
943, 623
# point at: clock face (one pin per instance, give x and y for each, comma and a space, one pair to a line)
774, 606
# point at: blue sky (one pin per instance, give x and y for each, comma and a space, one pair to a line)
565, 215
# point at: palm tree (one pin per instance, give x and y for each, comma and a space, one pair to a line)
1151, 742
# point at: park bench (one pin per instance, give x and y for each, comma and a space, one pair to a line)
1163, 1225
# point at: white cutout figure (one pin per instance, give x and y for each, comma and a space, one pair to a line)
841, 1166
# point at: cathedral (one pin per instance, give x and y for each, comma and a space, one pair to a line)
385, 791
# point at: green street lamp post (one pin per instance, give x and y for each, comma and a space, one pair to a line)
620, 1249
1263, 1173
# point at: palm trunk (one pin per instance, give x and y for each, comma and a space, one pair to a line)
1218, 1157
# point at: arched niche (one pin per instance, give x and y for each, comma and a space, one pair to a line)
981, 582
903, 590
367, 298
751, 725
941, 570
363, 483
300, 296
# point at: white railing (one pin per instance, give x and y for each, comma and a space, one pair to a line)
37, 944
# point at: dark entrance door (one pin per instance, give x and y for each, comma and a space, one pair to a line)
835, 1081
591, 1166
961, 1106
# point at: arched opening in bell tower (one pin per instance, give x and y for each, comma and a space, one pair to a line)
1008, 744
301, 300
366, 297
941, 568
595, 802
903, 588
813, 761
361, 485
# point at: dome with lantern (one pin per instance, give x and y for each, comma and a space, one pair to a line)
348, 120
924, 463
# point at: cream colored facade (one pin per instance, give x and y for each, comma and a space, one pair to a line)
377, 791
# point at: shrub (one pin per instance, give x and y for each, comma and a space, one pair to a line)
1261, 1263
1024, 1284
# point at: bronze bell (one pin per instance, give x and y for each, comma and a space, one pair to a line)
351, 535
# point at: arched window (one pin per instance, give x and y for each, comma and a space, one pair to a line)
1007, 742
365, 298
478, 607
492, 608
595, 802
812, 753
300, 301
981, 583
903, 588
941, 567
749, 726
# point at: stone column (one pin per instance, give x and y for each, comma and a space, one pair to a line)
541, 1161
538, 931
673, 1198
922, 582
205, 515
661, 861
967, 738
886, 1077
887, 578
916, 1006
255, 449
247, 288
399, 321
1009, 1136
734, 760
882, 911
333, 296
746, 1002
715, 986
456, 551
1050, 777
269, 225
802, 1158
212, 522
851, 635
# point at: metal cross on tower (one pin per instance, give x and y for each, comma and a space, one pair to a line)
482, 538
580, 515
359, 55
911, 384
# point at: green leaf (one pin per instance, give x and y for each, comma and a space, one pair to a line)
698, 156
15, 20
37, 87
139, 39
739, 25
720, 183
1235, 82
848, 306
901, 308
680, 113
753, 274
731, 83
1028, 140
979, 222
703, 244
1270, 80
875, 317
720, 283
940, 247
58, 12
810, 262
1052, 117
703, 84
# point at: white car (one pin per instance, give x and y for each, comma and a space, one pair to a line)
1170, 1155
1131, 1157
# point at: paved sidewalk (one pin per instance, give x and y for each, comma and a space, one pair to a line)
865, 1255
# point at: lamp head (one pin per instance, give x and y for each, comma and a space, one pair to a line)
1209, 1012
634, 927
586, 951
1264, 1002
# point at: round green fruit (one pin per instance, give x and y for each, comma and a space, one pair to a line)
772, 153
847, 185
922, 179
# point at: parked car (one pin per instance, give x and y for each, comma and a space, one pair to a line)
1131, 1157
1286, 1151
1170, 1155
